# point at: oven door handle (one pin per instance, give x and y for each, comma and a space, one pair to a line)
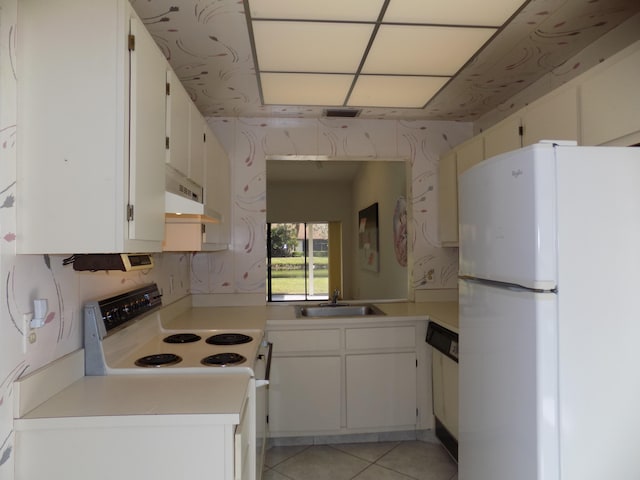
267, 373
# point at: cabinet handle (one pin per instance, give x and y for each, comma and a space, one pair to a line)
267, 374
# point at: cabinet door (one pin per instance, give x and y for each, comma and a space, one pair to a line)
196, 145
448, 200
304, 395
445, 391
244, 443
217, 191
178, 116
503, 137
147, 137
381, 390
469, 153
610, 102
553, 117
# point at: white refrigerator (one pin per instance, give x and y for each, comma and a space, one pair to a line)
549, 295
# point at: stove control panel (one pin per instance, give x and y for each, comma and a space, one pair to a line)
127, 306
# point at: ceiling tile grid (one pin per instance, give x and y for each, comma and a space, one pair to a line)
208, 45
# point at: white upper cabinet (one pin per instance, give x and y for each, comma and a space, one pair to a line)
212, 231
448, 200
178, 115
90, 179
553, 117
217, 192
147, 177
610, 104
185, 132
196, 145
503, 137
469, 153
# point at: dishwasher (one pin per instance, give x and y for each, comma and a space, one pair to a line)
444, 383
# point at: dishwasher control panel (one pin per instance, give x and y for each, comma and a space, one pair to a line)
443, 340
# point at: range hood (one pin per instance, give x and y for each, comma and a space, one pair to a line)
183, 200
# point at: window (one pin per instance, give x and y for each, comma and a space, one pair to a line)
298, 261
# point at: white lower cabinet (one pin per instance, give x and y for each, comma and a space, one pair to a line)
244, 443
160, 427
381, 390
304, 394
344, 379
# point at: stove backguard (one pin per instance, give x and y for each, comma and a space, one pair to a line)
105, 317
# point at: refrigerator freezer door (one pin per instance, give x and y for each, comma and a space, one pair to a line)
508, 220
508, 426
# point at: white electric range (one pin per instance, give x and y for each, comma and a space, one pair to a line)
124, 335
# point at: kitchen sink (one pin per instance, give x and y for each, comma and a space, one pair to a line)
337, 310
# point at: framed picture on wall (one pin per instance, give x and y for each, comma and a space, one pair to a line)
368, 249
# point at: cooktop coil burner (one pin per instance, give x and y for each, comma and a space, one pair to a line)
182, 338
223, 360
158, 360
229, 339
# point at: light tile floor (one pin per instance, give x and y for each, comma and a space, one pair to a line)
411, 460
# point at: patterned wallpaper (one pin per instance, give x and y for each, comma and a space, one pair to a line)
248, 142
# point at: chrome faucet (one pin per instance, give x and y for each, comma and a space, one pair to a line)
334, 297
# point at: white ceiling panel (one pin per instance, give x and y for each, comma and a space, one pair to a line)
419, 50
453, 12
404, 92
310, 47
305, 89
363, 10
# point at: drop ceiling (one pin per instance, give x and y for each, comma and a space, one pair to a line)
209, 46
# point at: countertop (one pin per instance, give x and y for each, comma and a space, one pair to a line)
219, 318
199, 398
256, 317
444, 313
143, 399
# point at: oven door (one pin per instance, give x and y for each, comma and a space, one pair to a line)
262, 371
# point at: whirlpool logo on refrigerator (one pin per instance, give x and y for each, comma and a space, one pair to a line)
516, 173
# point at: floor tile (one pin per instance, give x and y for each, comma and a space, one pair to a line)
276, 455
422, 461
322, 463
375, 472
273, 475
370, 452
